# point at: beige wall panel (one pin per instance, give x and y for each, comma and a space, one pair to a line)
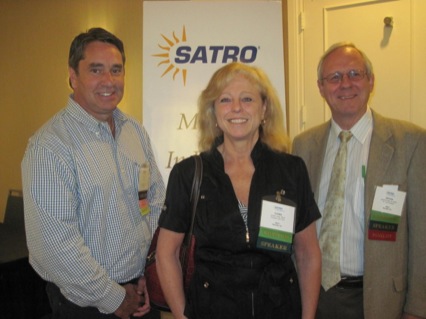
35, 38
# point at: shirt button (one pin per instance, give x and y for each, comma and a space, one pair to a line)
206, 285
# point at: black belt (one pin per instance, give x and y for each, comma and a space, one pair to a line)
351, 282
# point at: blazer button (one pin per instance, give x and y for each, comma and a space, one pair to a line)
206, 285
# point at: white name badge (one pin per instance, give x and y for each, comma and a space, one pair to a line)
276, 224
144, 177
388, 203
386, 213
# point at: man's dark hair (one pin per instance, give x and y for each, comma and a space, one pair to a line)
94, 34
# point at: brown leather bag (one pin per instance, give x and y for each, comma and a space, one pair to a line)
186, 256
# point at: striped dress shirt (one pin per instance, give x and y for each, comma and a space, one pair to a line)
352, 238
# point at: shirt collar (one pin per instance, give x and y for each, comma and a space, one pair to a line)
93, 124
360, 130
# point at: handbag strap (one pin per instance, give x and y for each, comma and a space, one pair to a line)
195, 194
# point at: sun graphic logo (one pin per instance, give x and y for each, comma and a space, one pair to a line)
177, 53
166, 58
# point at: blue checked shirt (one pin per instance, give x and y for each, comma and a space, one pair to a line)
84, 229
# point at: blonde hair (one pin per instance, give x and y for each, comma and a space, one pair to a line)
272, 131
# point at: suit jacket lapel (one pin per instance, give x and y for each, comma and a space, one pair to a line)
379, 158
319, 146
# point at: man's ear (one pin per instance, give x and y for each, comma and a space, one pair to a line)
72, 77
371, 82
320, 84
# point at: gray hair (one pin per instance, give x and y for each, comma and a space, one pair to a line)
334, 47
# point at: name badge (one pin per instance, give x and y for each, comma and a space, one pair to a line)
386, 213
144, 176
276, 224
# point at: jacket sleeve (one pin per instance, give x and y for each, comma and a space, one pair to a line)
416, 206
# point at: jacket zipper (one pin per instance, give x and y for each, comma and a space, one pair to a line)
251, 266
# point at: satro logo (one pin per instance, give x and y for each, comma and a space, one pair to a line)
178, 55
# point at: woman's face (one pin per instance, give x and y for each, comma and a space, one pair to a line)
239, 110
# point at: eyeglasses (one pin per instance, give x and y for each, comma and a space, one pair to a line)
337, 77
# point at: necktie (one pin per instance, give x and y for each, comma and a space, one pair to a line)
331, 226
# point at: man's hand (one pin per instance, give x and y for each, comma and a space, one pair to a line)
132, 303
142, 291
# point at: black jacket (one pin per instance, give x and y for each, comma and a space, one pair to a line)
233, 278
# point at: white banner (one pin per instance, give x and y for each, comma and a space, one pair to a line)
184, 43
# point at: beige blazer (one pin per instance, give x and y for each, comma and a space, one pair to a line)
394, 272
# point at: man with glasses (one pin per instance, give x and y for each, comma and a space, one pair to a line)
373, 267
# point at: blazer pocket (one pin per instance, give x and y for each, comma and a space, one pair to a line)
400, 283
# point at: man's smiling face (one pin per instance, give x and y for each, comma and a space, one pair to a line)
348, 99
99, 83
